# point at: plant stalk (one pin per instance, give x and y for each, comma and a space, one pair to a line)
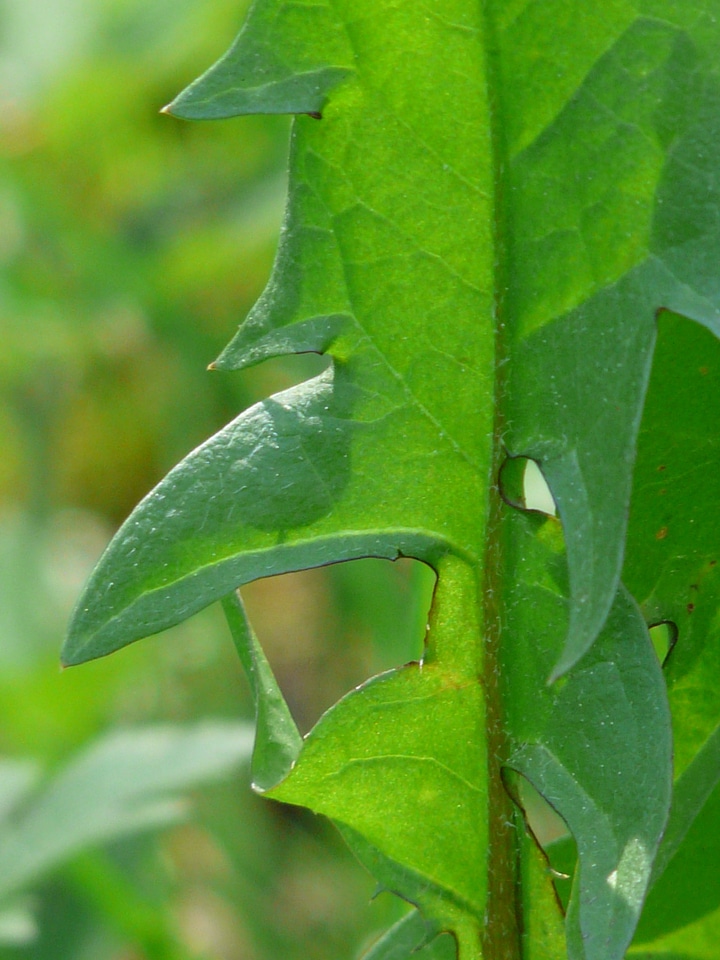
502, 935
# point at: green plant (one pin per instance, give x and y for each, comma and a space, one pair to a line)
124, 782
501, 216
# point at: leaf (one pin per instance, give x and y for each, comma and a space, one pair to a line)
416, 731
127, 781
489, 206
697, 941
17, 780
303, 436
542, 919
401, 729
596, 745
277, 740
286, 77
670, 566
410, 938
673, 550
687, 887
17, 925
365, 273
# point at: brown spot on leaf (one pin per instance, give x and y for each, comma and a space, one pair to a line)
690, 607
662, 467
662, 533
703, 371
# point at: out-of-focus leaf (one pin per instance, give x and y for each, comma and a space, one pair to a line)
28, 609
18, 927
128, 781
17, 779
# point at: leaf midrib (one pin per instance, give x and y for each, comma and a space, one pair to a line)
501, 934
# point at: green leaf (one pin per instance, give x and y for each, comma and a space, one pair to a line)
418, 731
378, 248
127, 781
402, 729
687, 887
17, 780
585, 299
696, 941
410, 939
542, 927
289, 75
482, 228
277, 740
673, 550
671, 568
596, 745
216, 514
17, 925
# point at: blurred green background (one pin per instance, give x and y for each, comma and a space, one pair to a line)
131, 246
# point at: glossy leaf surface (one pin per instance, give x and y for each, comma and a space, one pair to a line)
489, 206
378, 254
596, 745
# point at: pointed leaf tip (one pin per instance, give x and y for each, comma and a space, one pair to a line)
251, 78
277, 739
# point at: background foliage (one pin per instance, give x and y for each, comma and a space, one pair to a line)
130, 246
